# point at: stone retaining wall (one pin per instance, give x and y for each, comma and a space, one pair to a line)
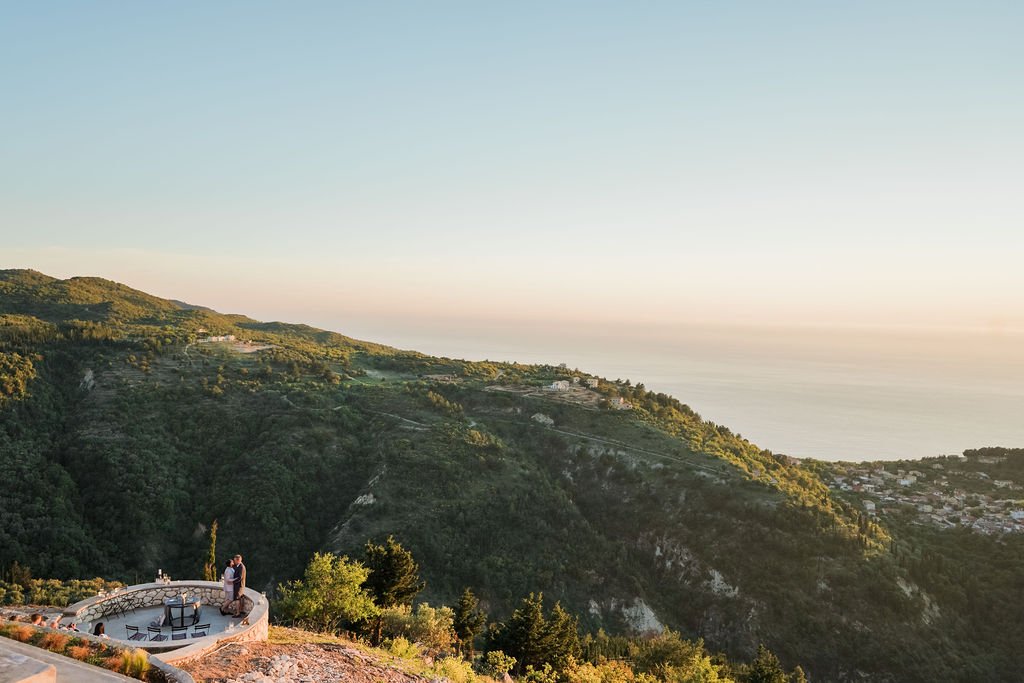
152, 595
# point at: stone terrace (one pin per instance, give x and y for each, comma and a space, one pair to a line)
145, 604
114, 625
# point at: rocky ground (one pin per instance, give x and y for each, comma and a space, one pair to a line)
290, 656
276, 662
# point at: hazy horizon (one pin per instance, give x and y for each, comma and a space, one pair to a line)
828, 392
498, 177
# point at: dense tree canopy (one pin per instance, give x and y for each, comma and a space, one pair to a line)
127, 430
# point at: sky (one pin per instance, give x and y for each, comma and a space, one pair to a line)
363, 166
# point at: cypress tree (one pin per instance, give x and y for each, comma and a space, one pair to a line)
469, 621
210, 568
765, 668
394, 579
526, 635
394, 575
563, 639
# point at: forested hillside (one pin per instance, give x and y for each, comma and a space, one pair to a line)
128, 424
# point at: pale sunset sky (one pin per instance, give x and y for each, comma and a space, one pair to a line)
356, 164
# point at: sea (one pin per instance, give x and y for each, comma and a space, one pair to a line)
829, 393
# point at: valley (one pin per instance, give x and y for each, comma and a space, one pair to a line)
127, 435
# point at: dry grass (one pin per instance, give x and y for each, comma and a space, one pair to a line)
115, 663
79, 652
133, 663
54, 642
280, 635
136, 663
22, 633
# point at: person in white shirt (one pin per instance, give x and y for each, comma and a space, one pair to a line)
229, 588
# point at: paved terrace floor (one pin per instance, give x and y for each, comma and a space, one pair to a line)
143, 617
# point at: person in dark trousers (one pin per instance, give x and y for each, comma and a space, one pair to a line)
239, 587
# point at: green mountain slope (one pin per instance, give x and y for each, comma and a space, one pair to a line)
124, 434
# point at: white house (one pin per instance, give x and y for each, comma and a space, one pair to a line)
558, 385
543, 419
619, 403
1017, 514
592, 382
869, 505
907, 481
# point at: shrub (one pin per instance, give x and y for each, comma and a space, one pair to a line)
431, 627
79, 652
52, 591
329, 595
54, 642
455, 669
700, 669
497, 663
14, 595
544, 674
22, 633
135, 663
115, 663
605, 672
403, 648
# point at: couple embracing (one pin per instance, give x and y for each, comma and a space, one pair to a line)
234, 587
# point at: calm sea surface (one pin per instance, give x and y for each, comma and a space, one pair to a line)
829, 394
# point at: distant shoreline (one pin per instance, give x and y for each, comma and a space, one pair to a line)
797, 394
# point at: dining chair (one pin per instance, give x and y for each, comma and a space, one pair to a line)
133, 633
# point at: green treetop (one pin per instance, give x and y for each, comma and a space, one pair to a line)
394, 575
765, 668
469, 621
329, 596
